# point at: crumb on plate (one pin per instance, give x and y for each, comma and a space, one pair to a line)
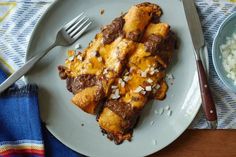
102, 12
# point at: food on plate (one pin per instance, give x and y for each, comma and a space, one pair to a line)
142, 80
102, 12
89, 74
122, 69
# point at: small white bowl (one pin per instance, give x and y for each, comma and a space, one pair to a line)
227, 28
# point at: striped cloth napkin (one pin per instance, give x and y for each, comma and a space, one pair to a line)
21, 134
15, 129
17, 20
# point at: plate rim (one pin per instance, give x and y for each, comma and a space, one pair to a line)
47, 11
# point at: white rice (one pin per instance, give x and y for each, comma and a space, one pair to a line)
228, 51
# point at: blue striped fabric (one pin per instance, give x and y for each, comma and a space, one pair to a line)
16, 31
21, 133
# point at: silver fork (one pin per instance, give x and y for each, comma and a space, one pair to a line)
65, 37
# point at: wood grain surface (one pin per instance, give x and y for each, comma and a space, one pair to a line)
202, 143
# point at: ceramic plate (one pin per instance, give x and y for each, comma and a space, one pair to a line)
79, 130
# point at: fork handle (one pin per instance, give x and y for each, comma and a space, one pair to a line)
207, 99
24, 69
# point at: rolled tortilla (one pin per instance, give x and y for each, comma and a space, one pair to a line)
143, 77
91, 73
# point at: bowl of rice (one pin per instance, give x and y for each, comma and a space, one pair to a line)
224, 52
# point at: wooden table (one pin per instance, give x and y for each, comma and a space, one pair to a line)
202, 143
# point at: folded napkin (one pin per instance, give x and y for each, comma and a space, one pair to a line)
21, 132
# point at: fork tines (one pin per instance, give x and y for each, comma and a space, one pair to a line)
77, 26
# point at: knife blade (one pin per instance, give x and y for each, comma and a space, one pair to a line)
194, 24
198, 41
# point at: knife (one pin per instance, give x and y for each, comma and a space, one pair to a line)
198, 44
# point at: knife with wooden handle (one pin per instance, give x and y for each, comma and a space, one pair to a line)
198, 43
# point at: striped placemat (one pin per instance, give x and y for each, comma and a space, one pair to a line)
18, 19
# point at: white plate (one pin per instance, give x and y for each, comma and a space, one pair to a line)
65, 120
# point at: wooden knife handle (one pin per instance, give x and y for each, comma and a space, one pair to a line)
207, 100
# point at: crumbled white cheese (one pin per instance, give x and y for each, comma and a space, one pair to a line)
122, 84
138, 89
154, 142
120, 81
131, 69
143, 74
79, 57
126, 78
155, 111
161, 110
105, 71
71, 58
117, 92
151, 72
115, 53
152, 69
170, 76
76, 52
100, 59
143, 92
113, 96
103, 40
156, 71
116, 95
228, 51
147, 70
127, 73
157, 86
114, 87
77, 46
148, 88
93, 53
169, 112
149, 80
152, 122
167, 107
